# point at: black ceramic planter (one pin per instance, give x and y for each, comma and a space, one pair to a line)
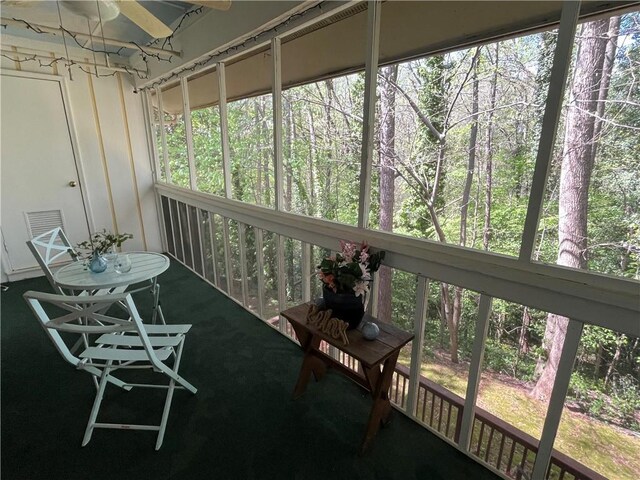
345, 306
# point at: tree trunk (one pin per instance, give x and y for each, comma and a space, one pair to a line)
473, 140
614, 360
575, 177
603, 92
598, 362
387, 179
312, 155
523, 341
486, 231
450, 308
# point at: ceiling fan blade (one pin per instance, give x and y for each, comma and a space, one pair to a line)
215, 4
144, 19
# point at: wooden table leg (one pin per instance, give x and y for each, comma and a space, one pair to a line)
381, 409
310, 364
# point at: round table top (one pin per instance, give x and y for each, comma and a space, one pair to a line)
144, 266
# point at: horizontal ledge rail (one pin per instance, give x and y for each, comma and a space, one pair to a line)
610, 302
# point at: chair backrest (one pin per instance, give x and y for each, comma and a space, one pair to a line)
86, 315
47, 248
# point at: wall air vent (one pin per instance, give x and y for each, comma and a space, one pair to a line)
43, 221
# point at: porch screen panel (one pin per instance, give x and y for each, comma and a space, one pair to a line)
251, 150
444, 368
592, 205
168, 228
205, 126
175, 216
456, 142
175, 134
207, 246
196, 244
218, 246
185, 231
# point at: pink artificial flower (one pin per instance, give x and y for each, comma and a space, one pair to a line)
348, 250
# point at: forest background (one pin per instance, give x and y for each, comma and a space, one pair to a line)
456, 143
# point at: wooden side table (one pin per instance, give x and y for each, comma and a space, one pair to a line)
377, 357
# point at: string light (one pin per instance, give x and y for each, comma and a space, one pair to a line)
145, 54
256, 39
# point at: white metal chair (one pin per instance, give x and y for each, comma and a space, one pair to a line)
54, 244
124, 343
49, 247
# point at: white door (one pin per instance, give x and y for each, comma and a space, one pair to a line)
39, 176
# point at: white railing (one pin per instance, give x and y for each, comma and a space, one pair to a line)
583, 296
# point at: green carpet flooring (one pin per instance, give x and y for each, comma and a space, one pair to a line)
242, 423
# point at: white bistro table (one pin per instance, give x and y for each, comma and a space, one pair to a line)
145, 266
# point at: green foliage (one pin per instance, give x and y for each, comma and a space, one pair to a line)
101, 242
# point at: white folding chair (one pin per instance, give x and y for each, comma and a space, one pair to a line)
50, 246
124, 343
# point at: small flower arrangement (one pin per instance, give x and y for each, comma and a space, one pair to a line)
102, 242
350, 270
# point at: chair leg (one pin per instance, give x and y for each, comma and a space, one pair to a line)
96, 403
111, 379
157, 309
167, 403
165, 414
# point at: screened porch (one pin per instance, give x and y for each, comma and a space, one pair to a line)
251, 145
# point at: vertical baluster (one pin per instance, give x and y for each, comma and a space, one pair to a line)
456, 435
424, 404
227, 256
212, 242
173, 228
440, 413
433, 408
201, 240
524, 457
446, 433
187, 209
499, 460
480, 437
260, 270
486, 454
243, 263
511, 453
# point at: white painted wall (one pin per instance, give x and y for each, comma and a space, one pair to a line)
113, 147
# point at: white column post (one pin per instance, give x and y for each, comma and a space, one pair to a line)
186, 112
306, 272
277, 123
416, 346
556, 402
224, 128
553, 108
260, 269
475, 369
369, 113
163, 137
